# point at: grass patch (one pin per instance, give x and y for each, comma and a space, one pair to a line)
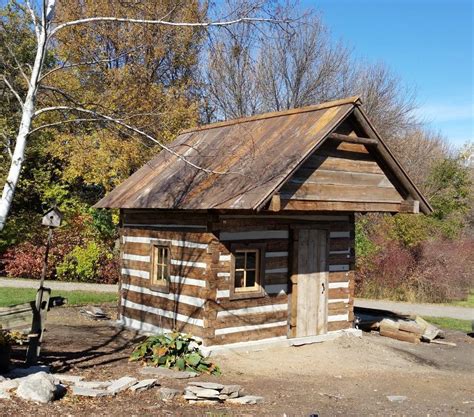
452, 324
465, 303
11, 296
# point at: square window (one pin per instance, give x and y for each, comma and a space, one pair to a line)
247, 271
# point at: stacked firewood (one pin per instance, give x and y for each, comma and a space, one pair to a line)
413, 329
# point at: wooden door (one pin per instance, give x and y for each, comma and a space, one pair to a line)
311, 283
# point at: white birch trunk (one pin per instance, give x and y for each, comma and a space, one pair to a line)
26, 118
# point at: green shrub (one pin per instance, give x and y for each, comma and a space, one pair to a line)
80, 264
174, 351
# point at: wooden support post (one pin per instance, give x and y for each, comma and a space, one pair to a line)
275, 203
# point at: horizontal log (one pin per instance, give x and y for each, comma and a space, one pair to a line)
353, 139
410, 206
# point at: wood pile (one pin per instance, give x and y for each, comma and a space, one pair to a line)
407, 328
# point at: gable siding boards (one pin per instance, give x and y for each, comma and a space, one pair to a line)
339, 172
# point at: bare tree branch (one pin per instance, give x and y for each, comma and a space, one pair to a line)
14, 92
89, 63
129, 127
162, 22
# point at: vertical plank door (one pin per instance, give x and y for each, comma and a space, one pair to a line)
312, 283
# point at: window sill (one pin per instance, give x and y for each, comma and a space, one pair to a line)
246, 295
165, 289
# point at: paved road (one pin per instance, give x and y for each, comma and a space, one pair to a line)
57, 285
432, 310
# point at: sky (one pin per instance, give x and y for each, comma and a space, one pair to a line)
428, 43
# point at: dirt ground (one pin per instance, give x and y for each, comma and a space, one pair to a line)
349, 376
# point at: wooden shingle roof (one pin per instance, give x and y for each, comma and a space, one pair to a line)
241, 162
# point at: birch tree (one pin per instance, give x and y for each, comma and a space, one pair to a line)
46, 30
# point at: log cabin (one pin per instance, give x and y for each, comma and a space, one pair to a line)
243, 231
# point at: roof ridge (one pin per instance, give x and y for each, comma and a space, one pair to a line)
269, 115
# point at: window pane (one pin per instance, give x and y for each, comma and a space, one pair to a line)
165, 272
240, 260
239, 279
165, 256
251, 260
250, 278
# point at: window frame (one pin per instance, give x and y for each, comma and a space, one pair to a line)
154, 282
242, 293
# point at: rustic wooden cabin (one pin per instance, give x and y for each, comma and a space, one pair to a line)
244, 230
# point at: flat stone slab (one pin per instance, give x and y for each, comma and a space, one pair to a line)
143, 385
209, 385
168, 393
89, 392
396, 398
231, 389
203, 392
247, 399
67, 379
167, 373
93, 384
121, 384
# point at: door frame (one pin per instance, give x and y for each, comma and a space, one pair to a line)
293, 276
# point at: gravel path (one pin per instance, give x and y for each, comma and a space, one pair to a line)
432, 310
57, 285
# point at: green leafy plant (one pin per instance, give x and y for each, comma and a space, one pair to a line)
174, 351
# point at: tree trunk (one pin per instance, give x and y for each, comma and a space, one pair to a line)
26, 118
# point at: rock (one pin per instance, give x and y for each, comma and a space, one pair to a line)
168, 393
231, 389
188, 395
203, 392
143, 385
38, 387
89, 392
223, 397
121, 384
247, 399
209, 385
67, 379
396, 398
2, 378
4, 395
9, 384
22, 372
202, 402
167, 373
93, 384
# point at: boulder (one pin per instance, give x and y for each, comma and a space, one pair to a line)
9, 384
4, 395
38, 387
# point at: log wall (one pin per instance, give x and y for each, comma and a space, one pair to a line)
199, 299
